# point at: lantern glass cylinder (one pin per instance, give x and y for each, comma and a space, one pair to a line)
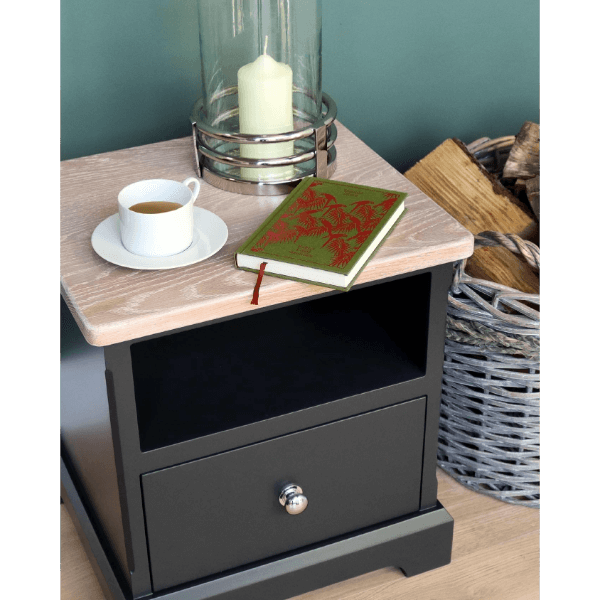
261, 74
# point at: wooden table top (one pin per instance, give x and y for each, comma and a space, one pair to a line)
113, 304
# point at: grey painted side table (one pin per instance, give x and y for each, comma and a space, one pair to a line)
186, 412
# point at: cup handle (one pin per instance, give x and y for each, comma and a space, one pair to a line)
196, 189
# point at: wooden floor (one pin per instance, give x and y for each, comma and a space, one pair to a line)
495, 557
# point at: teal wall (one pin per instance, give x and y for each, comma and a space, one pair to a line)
405, 74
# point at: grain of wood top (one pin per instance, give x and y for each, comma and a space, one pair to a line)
495, 556
113, 304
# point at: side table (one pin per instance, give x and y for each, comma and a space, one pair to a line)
193, 423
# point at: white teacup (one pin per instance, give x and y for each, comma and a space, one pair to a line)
160, 234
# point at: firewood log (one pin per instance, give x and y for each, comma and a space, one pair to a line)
524, 158
531, 233
502, 266
533, 194
452, 177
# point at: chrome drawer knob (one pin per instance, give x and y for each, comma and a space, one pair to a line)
292, 498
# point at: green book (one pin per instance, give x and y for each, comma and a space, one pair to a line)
324, 232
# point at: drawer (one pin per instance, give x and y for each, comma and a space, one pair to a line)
222, 512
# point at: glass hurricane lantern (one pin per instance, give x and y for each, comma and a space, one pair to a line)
262, 122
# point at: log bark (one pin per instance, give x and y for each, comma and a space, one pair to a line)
533, 194
524, 158
452, 177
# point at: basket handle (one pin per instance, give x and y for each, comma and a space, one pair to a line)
528, 250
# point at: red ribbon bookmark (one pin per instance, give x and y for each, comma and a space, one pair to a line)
261, 272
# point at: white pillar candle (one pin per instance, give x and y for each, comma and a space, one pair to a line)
265, 100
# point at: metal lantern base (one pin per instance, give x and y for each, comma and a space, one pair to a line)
255, 188
218, 159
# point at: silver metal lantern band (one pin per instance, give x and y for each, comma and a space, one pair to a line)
213, 145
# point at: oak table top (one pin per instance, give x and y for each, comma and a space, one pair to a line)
113, 304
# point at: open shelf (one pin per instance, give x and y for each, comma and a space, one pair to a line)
217, 377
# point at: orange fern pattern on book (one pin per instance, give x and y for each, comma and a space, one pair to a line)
344, 226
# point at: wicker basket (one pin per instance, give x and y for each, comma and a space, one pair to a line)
489, 422
492, 154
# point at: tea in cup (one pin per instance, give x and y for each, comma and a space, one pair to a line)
157, 216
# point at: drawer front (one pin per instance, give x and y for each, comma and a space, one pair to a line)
222, 512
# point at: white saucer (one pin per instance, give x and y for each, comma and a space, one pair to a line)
106, 241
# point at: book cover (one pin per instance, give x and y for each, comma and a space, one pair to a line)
323, 224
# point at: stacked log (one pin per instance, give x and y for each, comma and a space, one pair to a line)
523, 164
452, 177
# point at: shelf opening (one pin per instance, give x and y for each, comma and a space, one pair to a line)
260, 366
